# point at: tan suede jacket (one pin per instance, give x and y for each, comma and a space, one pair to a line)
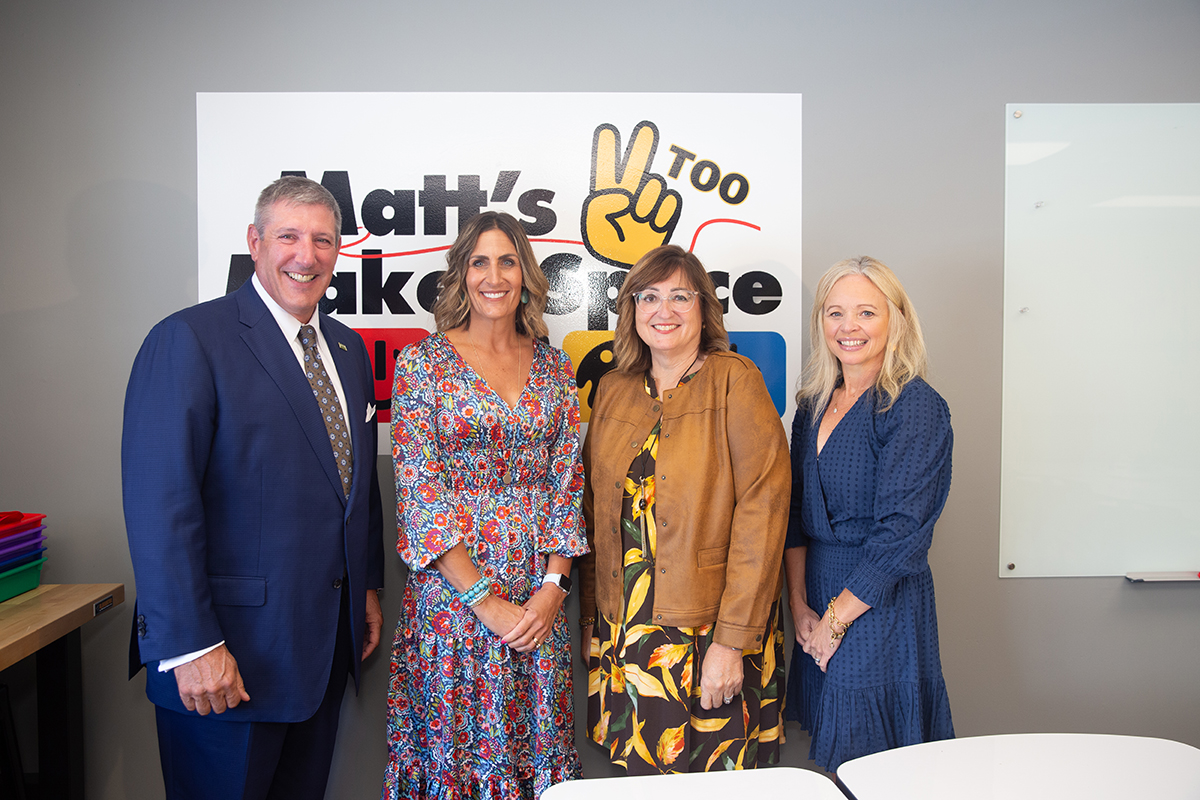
722, 497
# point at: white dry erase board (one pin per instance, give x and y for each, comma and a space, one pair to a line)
1100, 462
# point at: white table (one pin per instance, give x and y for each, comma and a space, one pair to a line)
779, 782
1029, 766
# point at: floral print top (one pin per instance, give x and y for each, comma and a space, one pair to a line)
455, 443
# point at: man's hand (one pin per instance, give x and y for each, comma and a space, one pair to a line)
211, 683
374, 624
630, 210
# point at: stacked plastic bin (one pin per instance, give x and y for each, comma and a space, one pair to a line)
22, 544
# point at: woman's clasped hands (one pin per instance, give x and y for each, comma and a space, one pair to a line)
523, 628
821, 641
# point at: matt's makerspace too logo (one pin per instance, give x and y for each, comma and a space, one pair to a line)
629, 210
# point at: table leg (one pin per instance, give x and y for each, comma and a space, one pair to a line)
60, 718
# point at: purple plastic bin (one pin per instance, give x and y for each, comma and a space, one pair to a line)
13, 546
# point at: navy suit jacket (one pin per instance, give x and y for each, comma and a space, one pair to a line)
237, 523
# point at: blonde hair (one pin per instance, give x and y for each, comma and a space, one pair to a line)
630, 353
452, 309
904, 355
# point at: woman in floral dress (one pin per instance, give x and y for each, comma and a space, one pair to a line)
485, 439
686, 505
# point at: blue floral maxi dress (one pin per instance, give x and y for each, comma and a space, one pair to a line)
467, 716
866, 508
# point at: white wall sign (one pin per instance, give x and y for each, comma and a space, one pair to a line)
715, 173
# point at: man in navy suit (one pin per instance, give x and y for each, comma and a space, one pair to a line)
253, 512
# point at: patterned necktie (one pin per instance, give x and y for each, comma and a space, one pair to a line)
331, 409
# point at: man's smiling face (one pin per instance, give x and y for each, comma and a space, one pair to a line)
294, 255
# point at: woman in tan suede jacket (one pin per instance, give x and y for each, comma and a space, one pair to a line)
686, 502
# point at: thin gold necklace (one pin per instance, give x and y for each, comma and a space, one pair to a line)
850, 397
479, 361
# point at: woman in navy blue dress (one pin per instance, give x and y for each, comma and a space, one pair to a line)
871, 445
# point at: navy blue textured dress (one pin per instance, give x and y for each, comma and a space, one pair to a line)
865, 509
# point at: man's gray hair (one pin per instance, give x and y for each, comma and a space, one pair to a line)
298, 191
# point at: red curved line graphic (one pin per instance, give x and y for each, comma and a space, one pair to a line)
431, 249
703, 225
691, 247
558, 241
352, 244
397, 255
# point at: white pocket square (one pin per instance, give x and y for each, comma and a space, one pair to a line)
370, 411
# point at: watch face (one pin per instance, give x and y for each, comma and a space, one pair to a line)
561, 581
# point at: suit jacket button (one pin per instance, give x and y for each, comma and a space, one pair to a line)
337, 584
142, 620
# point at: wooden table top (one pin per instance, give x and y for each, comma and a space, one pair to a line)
30, 621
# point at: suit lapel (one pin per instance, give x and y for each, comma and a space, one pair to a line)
266, 342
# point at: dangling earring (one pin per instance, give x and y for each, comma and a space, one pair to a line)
524, 296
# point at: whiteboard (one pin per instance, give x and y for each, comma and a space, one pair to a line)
1100, 459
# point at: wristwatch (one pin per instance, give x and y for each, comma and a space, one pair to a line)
558, 579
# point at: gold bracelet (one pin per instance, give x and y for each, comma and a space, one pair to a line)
585, 621
833, 620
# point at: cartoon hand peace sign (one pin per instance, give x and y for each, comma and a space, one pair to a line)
630, 210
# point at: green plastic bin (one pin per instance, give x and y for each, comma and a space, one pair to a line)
21, 579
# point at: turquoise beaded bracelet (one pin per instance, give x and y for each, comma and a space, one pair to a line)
475, 595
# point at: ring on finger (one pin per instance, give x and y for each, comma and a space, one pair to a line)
728, 700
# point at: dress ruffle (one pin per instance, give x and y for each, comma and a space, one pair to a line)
849, 723
412, 781
470, 718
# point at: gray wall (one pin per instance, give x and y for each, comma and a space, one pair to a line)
903, 160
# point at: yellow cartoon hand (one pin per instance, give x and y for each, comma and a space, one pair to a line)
630, 210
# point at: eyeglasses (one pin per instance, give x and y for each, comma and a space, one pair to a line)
680, 300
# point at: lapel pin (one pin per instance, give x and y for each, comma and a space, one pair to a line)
343, 346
